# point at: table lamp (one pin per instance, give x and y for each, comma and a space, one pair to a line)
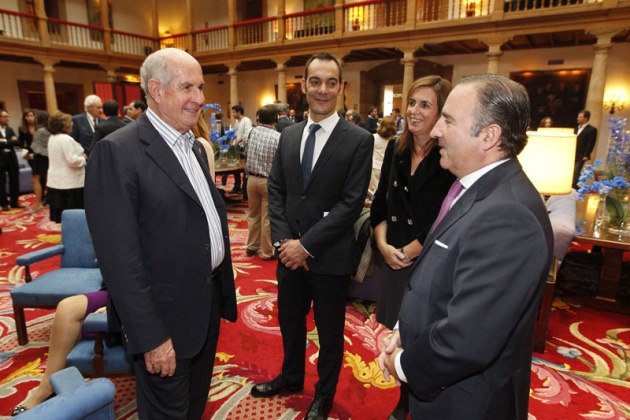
565, 130
548, 159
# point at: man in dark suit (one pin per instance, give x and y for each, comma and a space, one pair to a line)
8, 164
586, 138
160, 233
467, 318
371, 122
317, 187
83, 124
110, 124
283, 117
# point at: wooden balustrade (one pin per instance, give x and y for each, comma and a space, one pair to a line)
256, 31
76, 35
211, 39
311, 23
19, 26
520, 5
174, 41
128, 43
374, 14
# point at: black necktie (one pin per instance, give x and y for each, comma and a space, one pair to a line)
307, 157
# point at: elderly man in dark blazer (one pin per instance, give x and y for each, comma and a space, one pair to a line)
83, 124
160, 233
466, 325
317, 186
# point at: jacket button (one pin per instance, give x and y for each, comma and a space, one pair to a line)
206, 247
395, 183
394, 219
406, 189
409, 222
209, 280
303, 198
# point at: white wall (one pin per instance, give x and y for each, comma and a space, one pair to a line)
133, 17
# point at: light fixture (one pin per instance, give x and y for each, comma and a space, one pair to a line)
548, 160
614, 101
563, 130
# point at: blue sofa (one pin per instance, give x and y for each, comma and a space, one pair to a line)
26, 184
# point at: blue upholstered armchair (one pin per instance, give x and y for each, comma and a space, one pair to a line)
75, 398
77, 274
93, 358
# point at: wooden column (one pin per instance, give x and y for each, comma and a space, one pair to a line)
233, 73
409, 61
49, 83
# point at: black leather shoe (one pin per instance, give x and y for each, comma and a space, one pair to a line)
18, 206
274, 387
250, 252
236, 191
320, 408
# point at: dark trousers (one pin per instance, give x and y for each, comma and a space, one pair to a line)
9, 166
577, 171
183, 395
296, 290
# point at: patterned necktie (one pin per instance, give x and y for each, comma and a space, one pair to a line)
307, 156
453, 192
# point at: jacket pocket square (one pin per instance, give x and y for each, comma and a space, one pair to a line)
441, 244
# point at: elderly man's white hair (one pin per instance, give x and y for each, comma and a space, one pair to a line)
157, 66
91, 100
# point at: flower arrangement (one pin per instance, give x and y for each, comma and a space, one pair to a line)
612, 184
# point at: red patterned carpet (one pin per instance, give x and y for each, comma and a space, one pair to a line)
583, 374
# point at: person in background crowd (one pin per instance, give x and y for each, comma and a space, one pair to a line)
546, 122
202, 134
385, 133
260, 147
407, 201
66, 167
313, 204
283, 118
586, 139
25, 134
110, 124
400, 121
40, 161
9, 165
242, 125
159, 228
135, 109
371, 123
466, 324
83, 124
292, 116
127, 119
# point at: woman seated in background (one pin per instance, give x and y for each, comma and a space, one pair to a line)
67, 331
407, 201
66, 170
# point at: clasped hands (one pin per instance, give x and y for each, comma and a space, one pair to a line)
161, 360
394, 257
387, 358
292, 254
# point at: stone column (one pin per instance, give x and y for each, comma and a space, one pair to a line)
494, 53
409, 61
233, 73
282, 29
189, 27
282, 79
231, 29
49, 83
42, 23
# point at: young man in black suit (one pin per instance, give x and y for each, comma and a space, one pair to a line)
586, 138
160, 233
317, 187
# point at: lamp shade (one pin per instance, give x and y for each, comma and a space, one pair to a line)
548, 160
565, 130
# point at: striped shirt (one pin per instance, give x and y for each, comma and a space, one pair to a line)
260, 147
181, 145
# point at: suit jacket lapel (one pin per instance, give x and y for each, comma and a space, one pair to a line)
293, 147
164, 157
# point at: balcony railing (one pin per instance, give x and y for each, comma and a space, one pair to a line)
19, 26
257, 31
128, 43
357, 17
374, 14
211, 39
315, 22
69, 34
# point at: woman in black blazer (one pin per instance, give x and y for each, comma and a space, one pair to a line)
408, 200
